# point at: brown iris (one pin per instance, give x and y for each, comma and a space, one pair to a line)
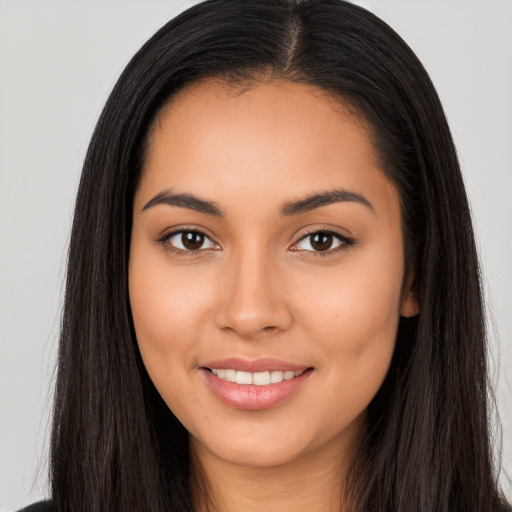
192, 240
321, 241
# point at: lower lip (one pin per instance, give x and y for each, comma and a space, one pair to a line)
251, 397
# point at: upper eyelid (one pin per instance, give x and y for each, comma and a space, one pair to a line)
311, 231
170, 232
329, 230
164, 240
344, 239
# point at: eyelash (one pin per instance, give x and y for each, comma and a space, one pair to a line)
164, 240
345, 242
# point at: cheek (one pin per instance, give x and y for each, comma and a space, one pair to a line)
353, 296
353, 316
167, 310
162, 306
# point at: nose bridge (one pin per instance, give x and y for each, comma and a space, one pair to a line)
251, 301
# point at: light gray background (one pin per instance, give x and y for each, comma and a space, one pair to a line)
58, 62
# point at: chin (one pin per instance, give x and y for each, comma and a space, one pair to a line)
252, 452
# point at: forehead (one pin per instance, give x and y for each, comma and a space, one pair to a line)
253, 90
266, 100
283, 136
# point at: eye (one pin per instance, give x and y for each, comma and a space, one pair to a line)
189, 241
322, 241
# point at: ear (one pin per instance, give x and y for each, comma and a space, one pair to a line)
410, 304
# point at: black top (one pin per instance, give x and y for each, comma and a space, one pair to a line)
46, 506
41, 506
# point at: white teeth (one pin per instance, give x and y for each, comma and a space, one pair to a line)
261, 378
257, 378
276, 377
231, 375
243, 378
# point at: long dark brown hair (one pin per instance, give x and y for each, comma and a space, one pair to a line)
115, 444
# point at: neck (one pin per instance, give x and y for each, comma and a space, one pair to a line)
314, 481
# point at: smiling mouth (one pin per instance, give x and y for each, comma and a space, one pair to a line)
256, 378
270, 382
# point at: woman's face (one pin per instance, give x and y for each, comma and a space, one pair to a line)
266, 250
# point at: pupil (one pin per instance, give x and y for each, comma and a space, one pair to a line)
321, 241
192, 240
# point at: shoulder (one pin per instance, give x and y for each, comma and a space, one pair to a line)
41, 506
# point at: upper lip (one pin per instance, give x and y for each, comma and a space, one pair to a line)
265, 364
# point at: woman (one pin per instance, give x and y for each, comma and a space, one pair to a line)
273, 296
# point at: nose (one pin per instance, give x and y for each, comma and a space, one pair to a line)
253, 300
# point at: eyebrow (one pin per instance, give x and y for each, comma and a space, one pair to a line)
288, 209
185, 201
338, 195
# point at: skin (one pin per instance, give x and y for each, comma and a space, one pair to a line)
259, 289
